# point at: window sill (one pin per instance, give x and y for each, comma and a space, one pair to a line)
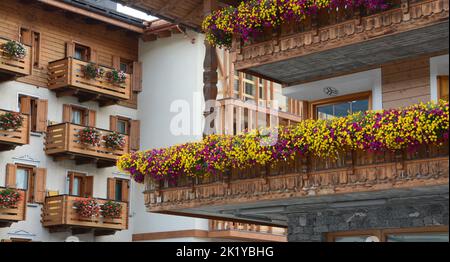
36, 134
33, 205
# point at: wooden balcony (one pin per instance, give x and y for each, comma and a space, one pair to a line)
303, 179
15, 214
66, 78
246, 232
11, 68
237, 116
10, 139
59, 215
62, 142
355, 39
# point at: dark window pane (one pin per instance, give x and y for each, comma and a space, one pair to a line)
360, 106
250, 89
341, 110
325, 112
122, 127
118, 190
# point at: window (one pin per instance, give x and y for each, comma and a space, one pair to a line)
82, 52
36, 109
28, 178
118, 189
79, 116
341, 106
126, 65
128, 127
33, 39
249, 87
423, 234
80, 184
123, 126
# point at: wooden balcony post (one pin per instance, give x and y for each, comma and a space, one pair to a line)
210, 66
405, 8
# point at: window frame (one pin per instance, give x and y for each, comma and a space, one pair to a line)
86, 54
83, 178
339, 99
439, 85
30, 180
127, 124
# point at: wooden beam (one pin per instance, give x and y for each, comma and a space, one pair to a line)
92, 15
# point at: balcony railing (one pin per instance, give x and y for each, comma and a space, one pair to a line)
66, 77
14, 214
352, 172
237, 116
60, 213
10, 139
63, 142
288, 52
244, 231
13, 67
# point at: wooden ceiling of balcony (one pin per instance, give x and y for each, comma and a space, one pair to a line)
187, 12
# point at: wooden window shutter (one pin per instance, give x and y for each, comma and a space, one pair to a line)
70, 49
40, 178
125, 190
135, 134
42, 112
10, 176
111, 190
26, 36
89, 186
137, 77
67, 113
113, 123
443, 87
94, 56
71, 176
92, 119
25, 105
116, 62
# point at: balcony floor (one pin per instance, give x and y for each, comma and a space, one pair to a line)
365, 55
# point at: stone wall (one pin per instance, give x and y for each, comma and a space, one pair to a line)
314, 224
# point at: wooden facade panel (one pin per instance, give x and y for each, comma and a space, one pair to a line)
406, 83
56, 29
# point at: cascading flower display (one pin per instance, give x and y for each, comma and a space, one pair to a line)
93, 71
114, 140
373, 131
116, 76
111, 209
251, 17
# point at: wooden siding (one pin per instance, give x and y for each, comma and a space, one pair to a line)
56, 28
406, 82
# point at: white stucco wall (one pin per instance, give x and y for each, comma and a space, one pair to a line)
33, 154
173, 70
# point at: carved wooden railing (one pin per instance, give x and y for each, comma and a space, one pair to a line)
67, 74
9, 139
60, 211
14, 66
63, 139
16, 213
236, 116
305, 176
332, 29
220, 225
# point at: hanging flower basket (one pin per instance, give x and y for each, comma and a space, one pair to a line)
14, 49
11, 121
93, 71
114, 140
116, 76
111, 209
87, 208
89, 136
9, 198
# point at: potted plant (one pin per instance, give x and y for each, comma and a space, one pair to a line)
11, 121
116, 76
88, 208
89, 136
9, 198
93, 71
114, 140
14, 49
111, 209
